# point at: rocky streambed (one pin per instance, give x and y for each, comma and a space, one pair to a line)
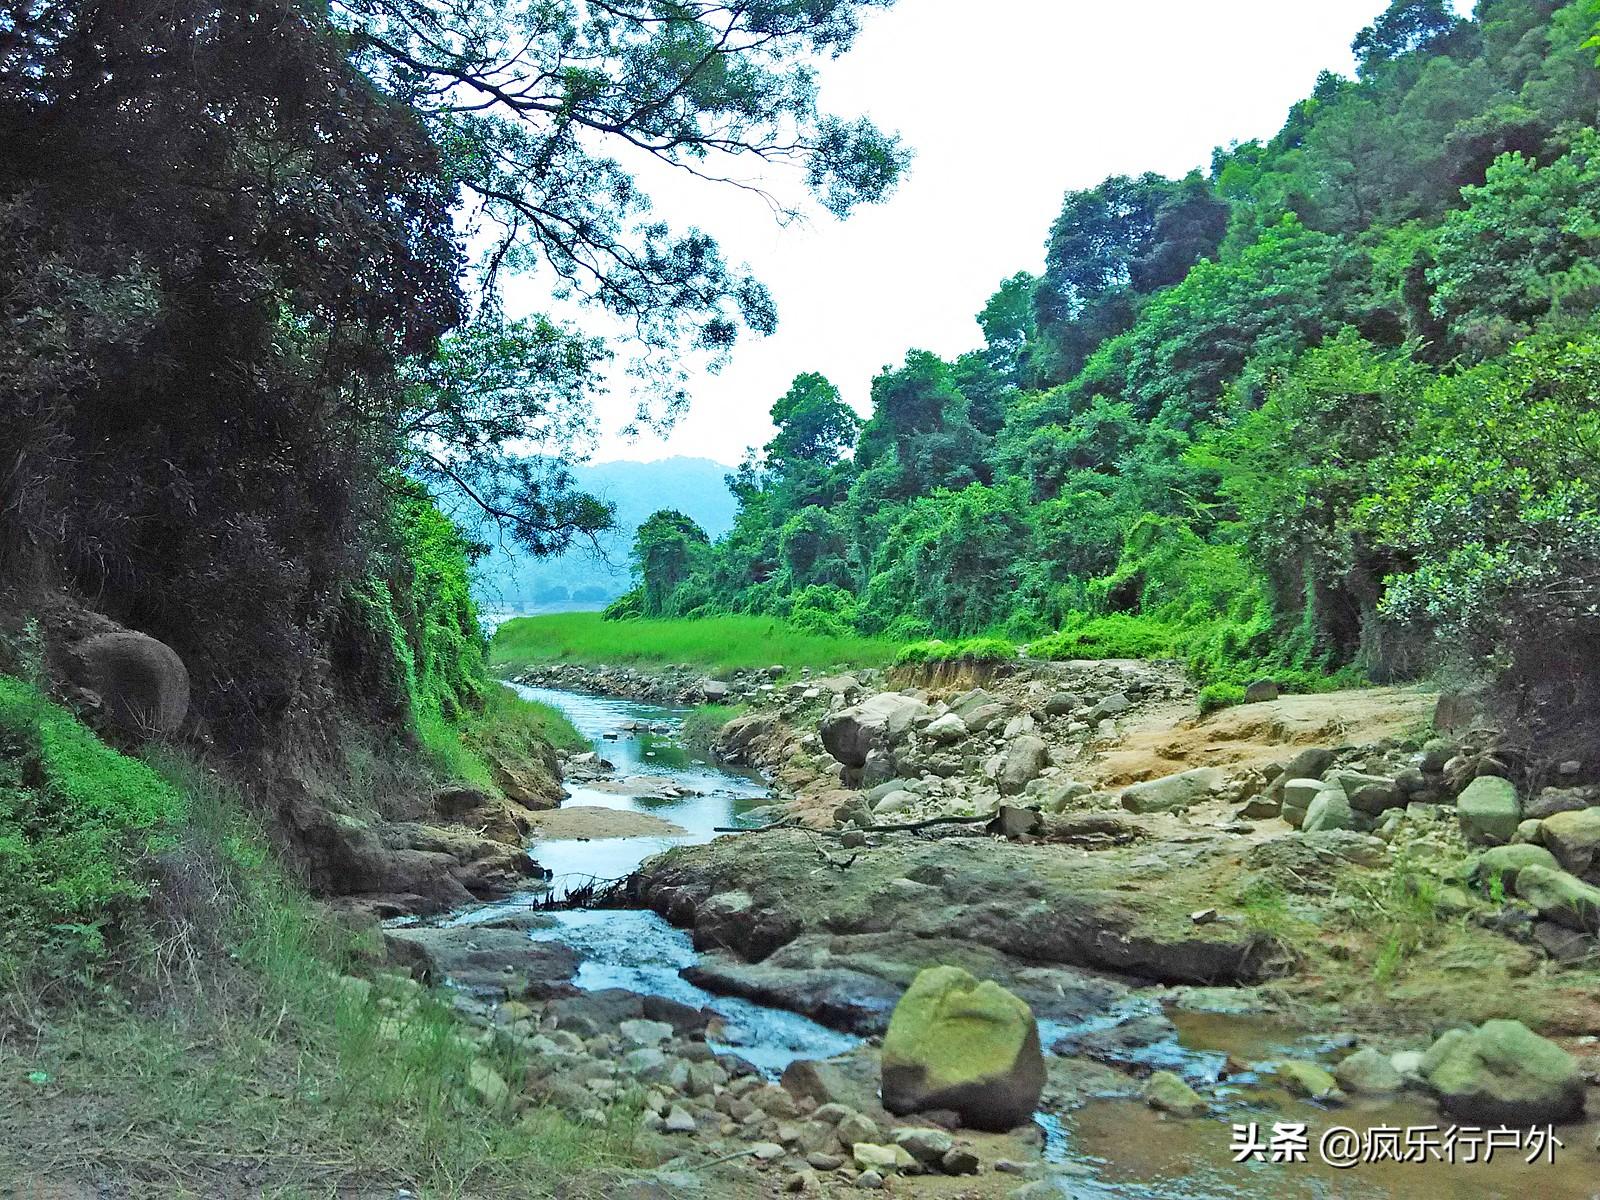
1193, 962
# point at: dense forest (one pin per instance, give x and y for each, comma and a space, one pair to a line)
1323, 409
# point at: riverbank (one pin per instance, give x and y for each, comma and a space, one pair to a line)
1202, 935
714, 645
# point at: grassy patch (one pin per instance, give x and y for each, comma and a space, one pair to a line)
722, 643
241, 1056
80, 829
507, 730
970, 650
700, 726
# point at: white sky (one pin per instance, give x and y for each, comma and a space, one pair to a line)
1008, 104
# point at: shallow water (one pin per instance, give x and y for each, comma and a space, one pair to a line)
722, 794
641, 952
1111, 1149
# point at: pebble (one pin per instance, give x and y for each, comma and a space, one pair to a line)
870, 1180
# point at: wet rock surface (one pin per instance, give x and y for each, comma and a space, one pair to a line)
983, 828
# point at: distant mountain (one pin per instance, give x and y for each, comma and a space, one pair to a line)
582, 578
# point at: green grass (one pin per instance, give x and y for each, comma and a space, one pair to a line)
971, 650
715, 644
509, 729
701, 725
80, 827
240, 1048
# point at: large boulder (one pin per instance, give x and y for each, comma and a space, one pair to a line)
1297, 795
1309, 763
1489, 810
1503, 1072
1561, 897
877, 723
1331, 810
1021, 764
142, 684
960, 1045
1370, 794
1174, 792
1574, 838
945, 729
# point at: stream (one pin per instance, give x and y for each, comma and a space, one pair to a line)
1108, 1149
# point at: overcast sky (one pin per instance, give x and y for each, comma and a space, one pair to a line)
1008, 104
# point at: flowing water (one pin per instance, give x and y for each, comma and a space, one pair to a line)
1112, 1149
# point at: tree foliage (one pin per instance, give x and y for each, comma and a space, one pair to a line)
1327, 408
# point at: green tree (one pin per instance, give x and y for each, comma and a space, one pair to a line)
667, 548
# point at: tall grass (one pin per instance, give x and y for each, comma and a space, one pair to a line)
723, 643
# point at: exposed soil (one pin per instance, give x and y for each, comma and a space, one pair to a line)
594, 821
1171, 738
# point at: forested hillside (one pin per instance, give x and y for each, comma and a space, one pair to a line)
1326, 406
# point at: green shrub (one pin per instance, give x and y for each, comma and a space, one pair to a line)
80, 826
627, 607
970, 650
1220, 695
1115, 636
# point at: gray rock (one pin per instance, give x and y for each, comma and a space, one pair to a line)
1368, 1071
1261, 691
1489, 810
1551, 801
644, 1033
894, 802
946, 729
1574, 838
1174, 792
142, 684
1330, 810
1062, 704
680, 1120
1113, 704
1309, 763
1023, 760
879, 722
927, 1146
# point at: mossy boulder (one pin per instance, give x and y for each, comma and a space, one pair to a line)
1505, 1073
1507, 862
1573, 837
1489, 810
1368, 1072
1308, 1079
964, 1046
1561, 898
1167, 1092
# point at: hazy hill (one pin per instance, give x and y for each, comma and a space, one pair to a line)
582, 576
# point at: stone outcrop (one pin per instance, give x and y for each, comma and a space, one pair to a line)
878, 723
